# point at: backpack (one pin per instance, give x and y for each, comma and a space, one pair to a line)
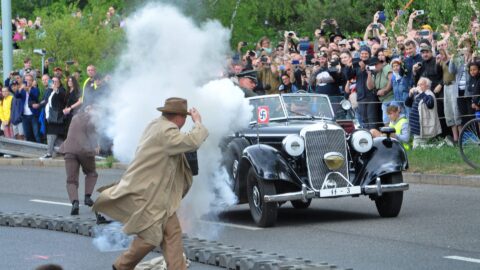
17, 111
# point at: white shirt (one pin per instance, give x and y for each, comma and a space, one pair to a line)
26, 109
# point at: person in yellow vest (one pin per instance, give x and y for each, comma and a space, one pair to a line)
5, 109
90, 89
399, 123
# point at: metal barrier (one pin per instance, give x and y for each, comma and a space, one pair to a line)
22, 148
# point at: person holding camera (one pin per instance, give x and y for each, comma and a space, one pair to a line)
368, 108
429, 68
412, 58
29, 95
379, 81
450, 93
328, 78
268, 75
424, 122
150, 191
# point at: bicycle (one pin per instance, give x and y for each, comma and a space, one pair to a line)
469, 143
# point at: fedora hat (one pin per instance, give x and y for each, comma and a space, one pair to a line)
175, 105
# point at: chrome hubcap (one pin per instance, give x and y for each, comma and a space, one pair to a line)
256, 197
235, 168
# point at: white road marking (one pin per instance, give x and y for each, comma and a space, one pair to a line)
465, 259
51, 202
245, 227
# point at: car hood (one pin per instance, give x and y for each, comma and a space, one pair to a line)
281, 128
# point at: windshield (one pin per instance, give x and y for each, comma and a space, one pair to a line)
272, 102
307, 105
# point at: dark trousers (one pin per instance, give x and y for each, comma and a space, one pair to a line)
465, 108
30, 128
370, 111
72, 166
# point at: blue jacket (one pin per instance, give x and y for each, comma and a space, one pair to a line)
33, 98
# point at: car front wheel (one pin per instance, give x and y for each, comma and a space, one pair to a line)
389, 204
264, 214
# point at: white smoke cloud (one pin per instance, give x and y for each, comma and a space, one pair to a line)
168, 55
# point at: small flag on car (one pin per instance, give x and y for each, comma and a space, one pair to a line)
263, 115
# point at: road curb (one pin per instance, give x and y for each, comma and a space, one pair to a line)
198, 250
440, 179
412, 178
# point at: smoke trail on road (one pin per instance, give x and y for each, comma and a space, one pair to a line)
168, 55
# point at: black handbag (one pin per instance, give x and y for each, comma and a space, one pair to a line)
192, 161
55, 117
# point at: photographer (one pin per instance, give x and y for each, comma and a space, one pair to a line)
450, 92
459, 66
290, 44
328, 78
429, 68
30, 98
379, 82
268, 75
376, 28
368, 108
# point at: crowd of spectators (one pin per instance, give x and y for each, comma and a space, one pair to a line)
431, 76
38, 105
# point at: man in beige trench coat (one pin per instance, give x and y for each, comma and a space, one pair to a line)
148, 195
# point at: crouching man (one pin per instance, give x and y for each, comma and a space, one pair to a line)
148, 195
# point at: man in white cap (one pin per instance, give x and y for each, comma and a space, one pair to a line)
148, 195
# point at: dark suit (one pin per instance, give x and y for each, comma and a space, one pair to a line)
79, 149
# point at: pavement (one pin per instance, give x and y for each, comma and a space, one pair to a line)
200, 251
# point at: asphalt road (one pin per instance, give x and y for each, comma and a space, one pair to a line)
438, 227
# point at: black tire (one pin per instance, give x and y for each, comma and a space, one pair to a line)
299, 204
232, 157
264, 214
389, 204
469, 143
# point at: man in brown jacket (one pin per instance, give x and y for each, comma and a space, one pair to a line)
80, 148
148, 195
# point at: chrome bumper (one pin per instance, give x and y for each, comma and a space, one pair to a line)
379, 189
303, 195
306, 194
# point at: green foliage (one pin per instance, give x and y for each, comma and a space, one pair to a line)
66, 37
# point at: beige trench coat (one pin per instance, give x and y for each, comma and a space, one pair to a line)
151, 189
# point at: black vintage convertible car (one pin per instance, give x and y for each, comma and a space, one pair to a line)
299, 147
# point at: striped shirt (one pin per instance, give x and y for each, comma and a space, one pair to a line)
414, 118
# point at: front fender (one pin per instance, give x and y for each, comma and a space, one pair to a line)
269, 165
387, 156
268, 162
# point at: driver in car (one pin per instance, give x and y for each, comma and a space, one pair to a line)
301, 106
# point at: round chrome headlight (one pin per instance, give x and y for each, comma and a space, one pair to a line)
346, 104
361, 141
293, 145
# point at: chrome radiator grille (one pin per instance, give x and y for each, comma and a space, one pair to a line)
319, 142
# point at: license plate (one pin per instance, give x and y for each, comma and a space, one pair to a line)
345, 191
